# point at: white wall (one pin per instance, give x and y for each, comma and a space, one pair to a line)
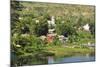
88, 2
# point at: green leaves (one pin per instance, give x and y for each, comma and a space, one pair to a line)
29, 21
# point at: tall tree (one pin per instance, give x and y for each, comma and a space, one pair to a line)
15, 7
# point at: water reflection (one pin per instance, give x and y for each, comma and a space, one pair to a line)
73, 59
50, 60
53, 60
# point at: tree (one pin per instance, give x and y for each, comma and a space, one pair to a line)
92, 29
66, 28
15, 7
41, 28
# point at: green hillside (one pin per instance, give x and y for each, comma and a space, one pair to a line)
29, 22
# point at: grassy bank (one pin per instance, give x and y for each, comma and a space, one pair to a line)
62, 51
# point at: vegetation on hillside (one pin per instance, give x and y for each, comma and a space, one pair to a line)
29, 22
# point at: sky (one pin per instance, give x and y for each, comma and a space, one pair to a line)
84, 2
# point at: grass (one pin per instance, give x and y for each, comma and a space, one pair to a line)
61, 51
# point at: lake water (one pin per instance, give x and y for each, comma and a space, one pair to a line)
73, 59
52, 60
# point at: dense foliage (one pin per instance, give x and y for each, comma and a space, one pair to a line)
29, 22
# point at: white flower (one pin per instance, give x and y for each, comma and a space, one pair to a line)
86, 27
37, 21
18, 46
20, 18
